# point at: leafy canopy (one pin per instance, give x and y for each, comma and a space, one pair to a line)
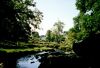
16, 16
88, 20
86, 23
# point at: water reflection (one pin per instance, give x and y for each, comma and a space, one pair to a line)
30, 61
34, 61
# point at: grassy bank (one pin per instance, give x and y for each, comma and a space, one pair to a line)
35, 49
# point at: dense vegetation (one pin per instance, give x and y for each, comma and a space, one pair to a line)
20, 18
86, 23
56, 34
16, 18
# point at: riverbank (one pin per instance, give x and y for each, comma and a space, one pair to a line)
35, 49
16, 53
8, 57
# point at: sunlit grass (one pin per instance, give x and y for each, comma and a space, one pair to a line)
25, 50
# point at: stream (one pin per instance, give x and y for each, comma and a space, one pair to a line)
30, 61
44, 59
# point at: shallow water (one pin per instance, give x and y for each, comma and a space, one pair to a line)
29, 61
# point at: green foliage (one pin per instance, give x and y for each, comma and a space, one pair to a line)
34, 38
16, 18
86, 23
56, 35
49, 35
58, 27
58, 31
70, 39
35, 35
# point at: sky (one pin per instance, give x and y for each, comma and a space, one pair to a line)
54, 10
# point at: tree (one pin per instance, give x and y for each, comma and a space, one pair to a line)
88, 20
58, 29
86, 23
70, 38
16, 18
35, 35
34, 38
48, 35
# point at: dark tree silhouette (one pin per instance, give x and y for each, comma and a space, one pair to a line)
16, 18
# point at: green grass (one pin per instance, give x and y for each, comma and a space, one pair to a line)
24, 50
